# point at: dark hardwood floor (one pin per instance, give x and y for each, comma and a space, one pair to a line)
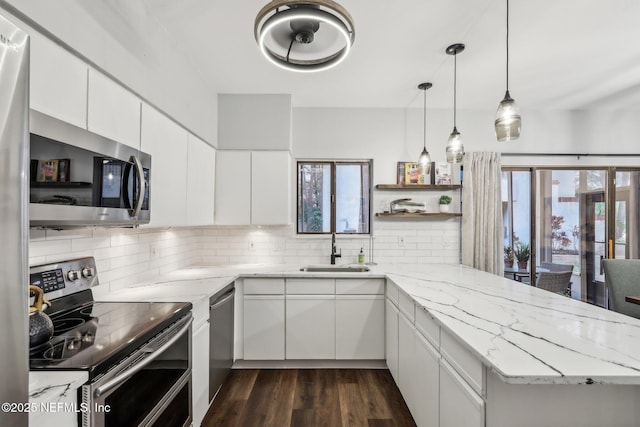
308, 398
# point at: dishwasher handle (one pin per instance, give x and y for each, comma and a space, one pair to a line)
223, 299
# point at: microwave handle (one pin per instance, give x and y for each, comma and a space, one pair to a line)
141, 186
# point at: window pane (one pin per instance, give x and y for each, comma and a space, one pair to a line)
352, 198
627, 215
314, 198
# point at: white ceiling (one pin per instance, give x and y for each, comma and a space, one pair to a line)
565, 54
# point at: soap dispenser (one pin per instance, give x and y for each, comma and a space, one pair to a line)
361, 256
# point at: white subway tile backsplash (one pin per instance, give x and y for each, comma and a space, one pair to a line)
124, 256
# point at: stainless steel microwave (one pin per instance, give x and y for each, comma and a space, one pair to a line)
81, 179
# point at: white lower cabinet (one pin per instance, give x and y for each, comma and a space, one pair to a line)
406, 369
302, 318
264, 327
311, 327
460, 405
359, 327
391, 342
426, 382
200, 369
441, 381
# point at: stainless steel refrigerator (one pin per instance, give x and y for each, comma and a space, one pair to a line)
14, 221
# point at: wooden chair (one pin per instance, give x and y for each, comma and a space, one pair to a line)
623, 279
558, 282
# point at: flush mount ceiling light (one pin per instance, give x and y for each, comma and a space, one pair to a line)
508, 120
455, 149
425, 159
304, 35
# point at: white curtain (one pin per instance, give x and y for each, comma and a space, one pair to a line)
482, 213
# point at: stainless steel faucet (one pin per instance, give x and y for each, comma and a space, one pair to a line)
334, 255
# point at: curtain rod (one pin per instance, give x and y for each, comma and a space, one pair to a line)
569, 155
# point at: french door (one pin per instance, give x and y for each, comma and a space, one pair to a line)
577, 217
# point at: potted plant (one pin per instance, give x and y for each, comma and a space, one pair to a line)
522, 254
444, 202
508, 257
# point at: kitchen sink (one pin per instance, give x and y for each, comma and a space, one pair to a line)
335, 268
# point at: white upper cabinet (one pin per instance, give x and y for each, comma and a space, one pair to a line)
270, 188
253, 187
168, 145
113, 111
58, 82
233, 188
201, 163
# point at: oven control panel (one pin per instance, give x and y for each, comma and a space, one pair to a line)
65, 277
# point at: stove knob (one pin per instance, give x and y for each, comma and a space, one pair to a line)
88, 272
73, 275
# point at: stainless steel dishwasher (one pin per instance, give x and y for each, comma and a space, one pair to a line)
220, 338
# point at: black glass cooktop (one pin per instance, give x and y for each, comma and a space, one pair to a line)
96, 335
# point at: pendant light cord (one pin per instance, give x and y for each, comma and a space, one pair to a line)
424, 135
455, 85
507, 45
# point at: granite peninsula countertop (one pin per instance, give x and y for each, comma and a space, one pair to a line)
523, 334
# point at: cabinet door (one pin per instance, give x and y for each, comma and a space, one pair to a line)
112, 110
311, 327
270, 187
391, 339
264, 327
406, 370
360, 327
167, 144
233, 188
426, 382
58, 82
201, 163
459, 404
200, 372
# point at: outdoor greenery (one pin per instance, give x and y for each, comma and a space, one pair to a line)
522, 252
508, 253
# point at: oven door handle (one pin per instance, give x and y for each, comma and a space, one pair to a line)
150, 357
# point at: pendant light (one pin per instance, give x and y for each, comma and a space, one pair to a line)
424, 161
508, 120
455, 149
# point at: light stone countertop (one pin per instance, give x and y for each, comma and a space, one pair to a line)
523, 334
53, 386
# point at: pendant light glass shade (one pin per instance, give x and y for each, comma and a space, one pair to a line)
455, 148
508, 122
424, 161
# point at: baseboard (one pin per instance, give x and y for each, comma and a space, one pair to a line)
309, 364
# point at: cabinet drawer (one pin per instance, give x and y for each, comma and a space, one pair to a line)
263, 286
459, 404
392, 291
406, 305
311, 286
428, 326
464, 362
360, 286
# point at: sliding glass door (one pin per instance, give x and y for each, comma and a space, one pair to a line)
576, 218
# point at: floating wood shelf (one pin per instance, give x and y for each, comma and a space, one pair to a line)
71, 184
418, 215
423, 187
